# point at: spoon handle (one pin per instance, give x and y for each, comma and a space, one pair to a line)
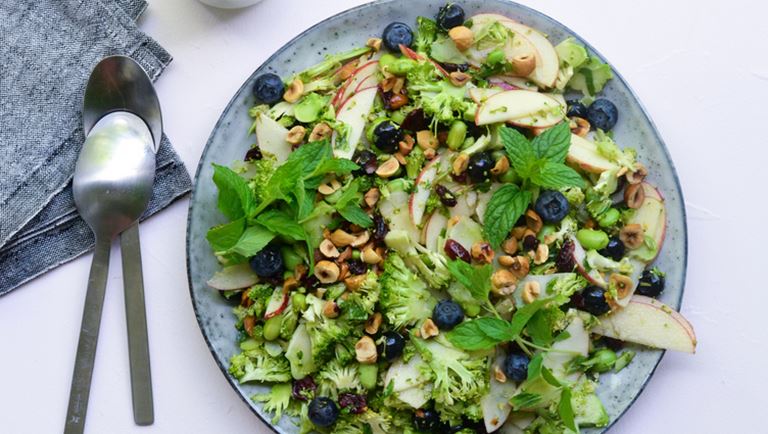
89, 336
136, 318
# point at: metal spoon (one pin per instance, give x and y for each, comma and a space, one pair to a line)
112, 185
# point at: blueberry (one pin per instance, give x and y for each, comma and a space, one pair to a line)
594, 302
651, 283
395, 34
602, 114
480, 166
447, 314
393, 346
614, 250
552, 206
268, 262
426, 420
323, 412
450, 16
268, 88
386, 136
516, 366
576, 108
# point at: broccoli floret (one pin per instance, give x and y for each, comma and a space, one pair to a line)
259, 173
337, 377
426, 32
482, 143
323, 332
413, 162
361, 303
610, 150
430, 265
597, 203
574, 195
458, 375
455, 413
258, 365
331, 62
596, 261
439, 98
405, 299
374, 422
568, 226
276, 401
567, 285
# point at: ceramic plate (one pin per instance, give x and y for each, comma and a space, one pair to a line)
228, 142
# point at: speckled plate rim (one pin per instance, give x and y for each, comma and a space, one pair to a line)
617, 76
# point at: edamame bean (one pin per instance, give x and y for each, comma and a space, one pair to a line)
401, 66
272, 327
456, 135
386, 60
592, 239
299, 301
609, 218
368, 375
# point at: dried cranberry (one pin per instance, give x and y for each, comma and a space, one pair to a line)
356, 404
393, 101
530, 242
565, 261
380, 228
613, 344
446, 196
415, 121
442, 137
367, 162
356, 266
461, 178
253, 154
310, 282
454, 250
304, 389
453, 67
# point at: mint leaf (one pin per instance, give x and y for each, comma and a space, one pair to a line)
519, 150
556, 176
523, 315
525, 400
507, 204
476, 279
354, 214
550, 378
565, 410
540, 329
339, 166
236, 199
349, 194
252, 241
553, 143
223, 237
281, 223
480, 334
534, 366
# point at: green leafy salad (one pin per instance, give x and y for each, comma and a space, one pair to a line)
428, 236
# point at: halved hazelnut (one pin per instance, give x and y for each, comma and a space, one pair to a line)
523, 64
520, 266
429, 329
248, 323
482, 252
533, 221
459, 78
343, 270
462, 36
400, 158
531, 291
353, 283
632, 235
503, 278
406, 145
328, 188
331, 309
341, 238
361, 239
388, 168
345, 255
370, 256
541, 255
638, 175
388, 84
290, 284
372, 196
579, 126
296, 135
622, 283
347, 70
426, 139
294, 91
518, 232
365, 350
245, 300
373, 323
499, 374
398, 86
320, 132
374, 43
460, 164
327, 271
501, 167
634, 195
509, 246
430, 154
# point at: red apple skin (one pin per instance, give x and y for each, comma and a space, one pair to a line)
280, 309
341, 107
363, 82
337, 99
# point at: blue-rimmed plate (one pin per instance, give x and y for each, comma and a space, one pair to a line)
229, 141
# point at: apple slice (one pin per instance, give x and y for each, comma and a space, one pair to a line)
299, 353
362, 73
579, 256
464, 231
518, 82
277, 303
404, 375
649, 322
424, 183
547, 61
233, 277
517, 422
369, 81
495, 404
354, 113
637, 271
480, 94
583, 154
433, 228
394, 209
530, 109
576, 344
652, 216
271, 136
482, 201
519, 45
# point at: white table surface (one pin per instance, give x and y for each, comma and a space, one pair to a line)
701, 69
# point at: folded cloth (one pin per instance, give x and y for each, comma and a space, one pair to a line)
49, 48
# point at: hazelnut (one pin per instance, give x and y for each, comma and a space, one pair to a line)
503, 278
501, 167
328, 188
345, 255
430, 154
520, 266
290, 284
320, 132
388, 84
245, 300
343, 271
632, 235
365, 350
462, 36
460, 164
341, 238
406, 145
638, 175
248, 323
374, 43
523, 64
426, 139
347, 70
634, 195
541, 255
429, 329
388, 168
397, 100
372, 196
509, 246
353, 283
533, 221
518, 232
361, 239
296, 135
499, 374
294, 91
300, 270
579, 126
482, 252
531, 291
331, 309
459, 78
398, 86
370, 256
326, 271
400, 158
373, 323
622, 283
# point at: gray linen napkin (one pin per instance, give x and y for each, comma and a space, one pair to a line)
48, 48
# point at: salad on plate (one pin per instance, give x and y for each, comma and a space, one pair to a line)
436, 232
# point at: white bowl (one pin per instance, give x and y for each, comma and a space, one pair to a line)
230, 4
